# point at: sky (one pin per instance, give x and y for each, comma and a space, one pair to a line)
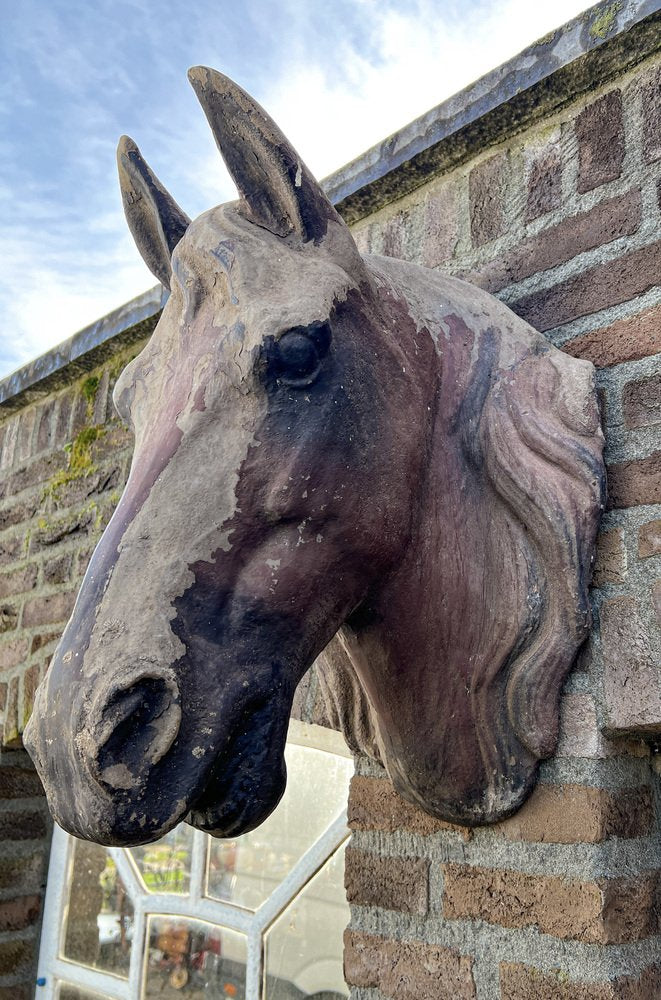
337, 76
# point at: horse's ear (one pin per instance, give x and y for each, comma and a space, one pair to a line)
277, 190
155, 220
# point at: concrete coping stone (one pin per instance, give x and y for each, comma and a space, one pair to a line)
548, 74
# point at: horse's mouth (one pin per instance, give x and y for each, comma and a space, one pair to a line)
247, 779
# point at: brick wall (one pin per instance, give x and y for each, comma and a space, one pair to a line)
560, 219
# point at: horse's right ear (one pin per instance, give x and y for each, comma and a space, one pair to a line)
277, 190
155, 220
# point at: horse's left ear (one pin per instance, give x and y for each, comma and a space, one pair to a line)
155, 220
278, 191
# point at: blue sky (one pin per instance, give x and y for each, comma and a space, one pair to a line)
338, 77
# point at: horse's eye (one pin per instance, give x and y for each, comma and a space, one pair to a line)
298, 354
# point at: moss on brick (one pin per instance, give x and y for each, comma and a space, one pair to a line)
80, 463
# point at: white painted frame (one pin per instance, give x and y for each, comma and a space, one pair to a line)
54, 969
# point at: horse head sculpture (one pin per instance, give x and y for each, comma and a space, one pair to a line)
342, 458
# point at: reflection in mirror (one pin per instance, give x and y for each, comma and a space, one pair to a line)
246, 871
99, 918
304, 946
192, 955
165, 865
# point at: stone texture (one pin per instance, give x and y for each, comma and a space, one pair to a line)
656, 600
544, 184
486, 191
596, 288
600, 135
635, 482
407, 970
607, 221
632, 682
649, 539
624, 340
574, 814
599, 912
641, 402
611, 558
375, 805
392, 883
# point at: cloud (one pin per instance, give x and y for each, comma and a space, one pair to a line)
338, 78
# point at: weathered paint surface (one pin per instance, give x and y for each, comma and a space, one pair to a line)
340, 457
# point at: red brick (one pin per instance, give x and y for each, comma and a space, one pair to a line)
375, 805
607, 221
544, 184
17, 914
37, 472
18, 782
625, 340
632, 692
18, 581
394, 236
441, 226
63, 422
407, 970
73, 524
651, 102
635, 482
18, 992
574, 814
12, 652
599, 287
649, 539
11, 549
17, 511
45, 433
16, 956
524, 982
392, 883
23, 824
42, 639
24, 874
58, 569
641, 402
31, 679
8, 617
599, 912
25, 434
611, 559
600, 134
10, 732
486, 192
49, 610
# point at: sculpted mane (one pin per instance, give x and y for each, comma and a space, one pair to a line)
515, 486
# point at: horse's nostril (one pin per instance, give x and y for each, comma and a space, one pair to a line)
138, 726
